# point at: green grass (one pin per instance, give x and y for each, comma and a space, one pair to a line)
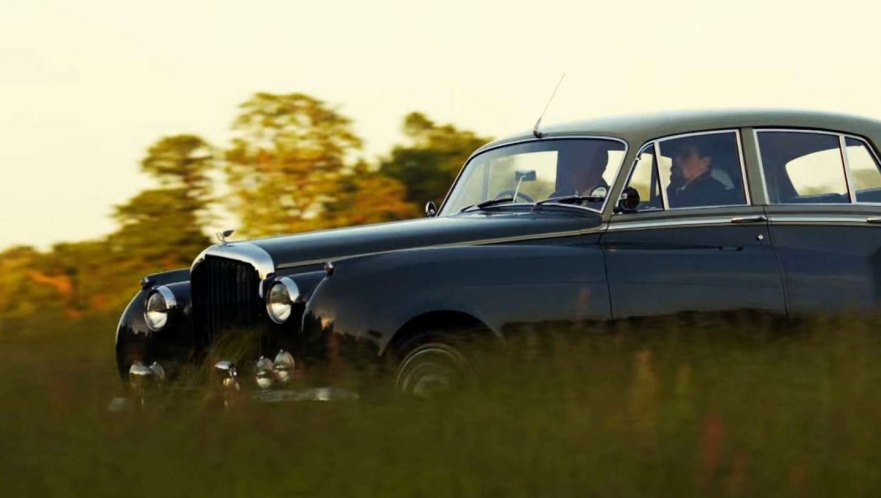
659, 409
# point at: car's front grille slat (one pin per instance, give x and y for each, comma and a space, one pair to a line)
225, 297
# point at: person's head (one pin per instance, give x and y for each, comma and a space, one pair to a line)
690, 161
581, 168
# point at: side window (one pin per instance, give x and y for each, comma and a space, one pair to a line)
645, 180
702, 170
864, 171
803, 167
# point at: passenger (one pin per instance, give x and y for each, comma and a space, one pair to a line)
691, 180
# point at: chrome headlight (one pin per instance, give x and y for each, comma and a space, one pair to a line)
280, 301
160, 302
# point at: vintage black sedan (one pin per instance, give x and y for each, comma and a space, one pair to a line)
592, 222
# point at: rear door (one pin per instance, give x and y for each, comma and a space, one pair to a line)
709, 253
824, 193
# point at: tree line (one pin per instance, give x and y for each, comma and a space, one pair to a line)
294, 164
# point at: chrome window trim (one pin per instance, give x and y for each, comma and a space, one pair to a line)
848, 181
656, 144
842, 136
761, 166
639, 153
474, 155
744, 186
744, 179
871, 150
480, 242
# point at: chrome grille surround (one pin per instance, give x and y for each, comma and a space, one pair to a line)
227, 283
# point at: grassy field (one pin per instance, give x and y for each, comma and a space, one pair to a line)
712, 409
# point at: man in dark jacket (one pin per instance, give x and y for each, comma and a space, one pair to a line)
691, 181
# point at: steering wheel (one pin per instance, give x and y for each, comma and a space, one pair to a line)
508, 192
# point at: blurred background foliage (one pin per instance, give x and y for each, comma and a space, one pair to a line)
294, 164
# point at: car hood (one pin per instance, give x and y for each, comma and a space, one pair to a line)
472, 228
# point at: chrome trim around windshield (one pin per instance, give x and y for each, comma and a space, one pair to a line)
246, 252
482, 242
544, 138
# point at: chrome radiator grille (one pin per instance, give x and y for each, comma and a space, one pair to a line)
225, 297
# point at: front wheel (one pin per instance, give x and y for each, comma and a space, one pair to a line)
432, 369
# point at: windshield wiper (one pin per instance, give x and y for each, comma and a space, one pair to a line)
486, 204
568, 199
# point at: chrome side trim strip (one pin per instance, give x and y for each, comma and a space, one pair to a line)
826, 219
241, 251
481, 242
683, 223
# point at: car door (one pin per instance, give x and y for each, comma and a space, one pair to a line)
674, 252
824, 192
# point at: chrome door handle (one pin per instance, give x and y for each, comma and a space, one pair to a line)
874, 220
753, 219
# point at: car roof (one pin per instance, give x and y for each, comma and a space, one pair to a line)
639, 128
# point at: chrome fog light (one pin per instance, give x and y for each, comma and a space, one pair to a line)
264, 373
280, 301
228, 375
160, 302
284, 366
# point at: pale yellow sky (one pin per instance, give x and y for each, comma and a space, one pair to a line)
87, 86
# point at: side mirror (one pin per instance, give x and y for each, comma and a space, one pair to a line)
599, 192
430, 209
629, 200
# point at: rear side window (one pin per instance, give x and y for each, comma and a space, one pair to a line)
864, 171
803, 167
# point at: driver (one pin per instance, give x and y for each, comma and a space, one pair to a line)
580, 170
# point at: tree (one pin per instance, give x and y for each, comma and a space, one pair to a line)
162, 228
432, 159
290, 168
182, 163
365, 196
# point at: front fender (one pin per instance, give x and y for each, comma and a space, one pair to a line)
369, 299
135, 342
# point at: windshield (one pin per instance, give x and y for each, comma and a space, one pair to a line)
539, 170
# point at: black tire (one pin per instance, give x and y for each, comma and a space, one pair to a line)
432, 366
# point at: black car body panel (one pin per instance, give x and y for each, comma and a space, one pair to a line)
468, 228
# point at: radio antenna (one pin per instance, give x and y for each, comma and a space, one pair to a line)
535, 131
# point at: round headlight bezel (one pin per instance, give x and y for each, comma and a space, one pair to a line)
164, 298
282, 296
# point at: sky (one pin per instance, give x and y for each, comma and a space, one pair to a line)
86, 86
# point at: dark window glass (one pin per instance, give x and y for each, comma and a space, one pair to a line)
864, 171
702, 170
803, 168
